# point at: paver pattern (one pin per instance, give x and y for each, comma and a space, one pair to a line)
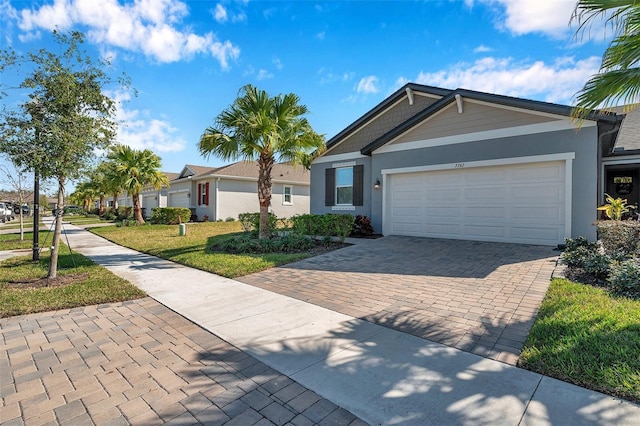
476, 296
140, 363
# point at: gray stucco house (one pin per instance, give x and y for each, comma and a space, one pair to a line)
462, 164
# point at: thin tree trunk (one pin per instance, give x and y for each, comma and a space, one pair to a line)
53, 260
21, 224
137, 211
101, 205
265, 164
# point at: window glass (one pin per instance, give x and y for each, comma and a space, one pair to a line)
344, 185
287, 195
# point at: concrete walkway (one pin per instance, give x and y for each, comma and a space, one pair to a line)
381, 375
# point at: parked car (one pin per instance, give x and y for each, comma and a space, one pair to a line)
9, 208
3, 213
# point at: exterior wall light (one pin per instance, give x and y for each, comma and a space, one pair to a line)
377, 184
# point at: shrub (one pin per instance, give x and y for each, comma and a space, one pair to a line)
327, 225
619, 236
362, 226
597, 264
127, 222
229, 219
251, 222
109, 216
246, 243
578, 250
625, 277
169, 215
124, 213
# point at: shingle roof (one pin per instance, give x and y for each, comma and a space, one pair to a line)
629, 135
448, 96
280, 171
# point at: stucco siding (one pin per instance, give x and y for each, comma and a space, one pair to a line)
370, 196
300, 200
475, 118
584, 167
391, 118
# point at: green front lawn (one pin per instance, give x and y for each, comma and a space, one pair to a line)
13, 242
194, 249
586, 336
85, 283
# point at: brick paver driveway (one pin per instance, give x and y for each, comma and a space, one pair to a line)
140, 363
476, 296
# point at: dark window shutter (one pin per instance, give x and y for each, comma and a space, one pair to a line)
199, 193
358, 185
329, 187
206, 194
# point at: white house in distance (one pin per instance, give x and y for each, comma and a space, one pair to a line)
149, 197
227, 191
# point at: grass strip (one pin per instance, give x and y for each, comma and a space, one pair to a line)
194, 249
586, 336
89, 284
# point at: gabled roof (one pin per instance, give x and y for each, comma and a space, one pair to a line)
246, 170
629, 135
448, 97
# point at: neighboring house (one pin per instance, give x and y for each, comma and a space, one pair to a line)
149, 197
225, 192
461, 164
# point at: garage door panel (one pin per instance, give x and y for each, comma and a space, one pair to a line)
443, 211
522, 203
178, 199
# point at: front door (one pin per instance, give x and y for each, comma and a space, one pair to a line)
624, 183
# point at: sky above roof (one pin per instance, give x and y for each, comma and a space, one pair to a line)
188, 59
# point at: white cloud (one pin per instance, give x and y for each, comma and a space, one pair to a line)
263, 75
152, 27
220, 13
368, 85
277, 63
320, 35
141, 132
552, 82
328, 76
482, 49
545, 16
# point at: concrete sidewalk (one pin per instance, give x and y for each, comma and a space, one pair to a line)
381, 375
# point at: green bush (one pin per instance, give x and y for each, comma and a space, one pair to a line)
127, 222
619, 236
229, 219
597, 264
625, 277
327, 225
578, 250
109, 216
251, 222
124, 213
246, 243
170, 215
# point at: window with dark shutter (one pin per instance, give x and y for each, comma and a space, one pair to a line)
358, 185
329, 187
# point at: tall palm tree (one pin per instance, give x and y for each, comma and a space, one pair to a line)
257, 127
113, 181
84, 194
618, 80
139, 169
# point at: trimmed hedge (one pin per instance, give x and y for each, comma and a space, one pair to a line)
619, 236
251, 222
169, 215
327, 225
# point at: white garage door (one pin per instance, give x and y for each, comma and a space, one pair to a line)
148, 202
523, 203
178, 199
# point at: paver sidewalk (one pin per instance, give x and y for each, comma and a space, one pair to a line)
381, 375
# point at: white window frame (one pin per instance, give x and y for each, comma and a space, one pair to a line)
203, 193
343, 186
284, 195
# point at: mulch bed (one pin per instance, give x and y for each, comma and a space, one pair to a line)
59, 281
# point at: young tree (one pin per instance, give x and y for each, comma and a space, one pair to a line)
139, 169
67, 117
257, 127
618, 80
17, 180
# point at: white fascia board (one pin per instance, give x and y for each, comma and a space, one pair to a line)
339, 157
565, 156
629, 159
529, 129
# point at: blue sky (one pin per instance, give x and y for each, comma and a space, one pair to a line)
188, 59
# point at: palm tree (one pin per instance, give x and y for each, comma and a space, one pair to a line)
113, 181
139, 169
618, 80
257, 127
84, 195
